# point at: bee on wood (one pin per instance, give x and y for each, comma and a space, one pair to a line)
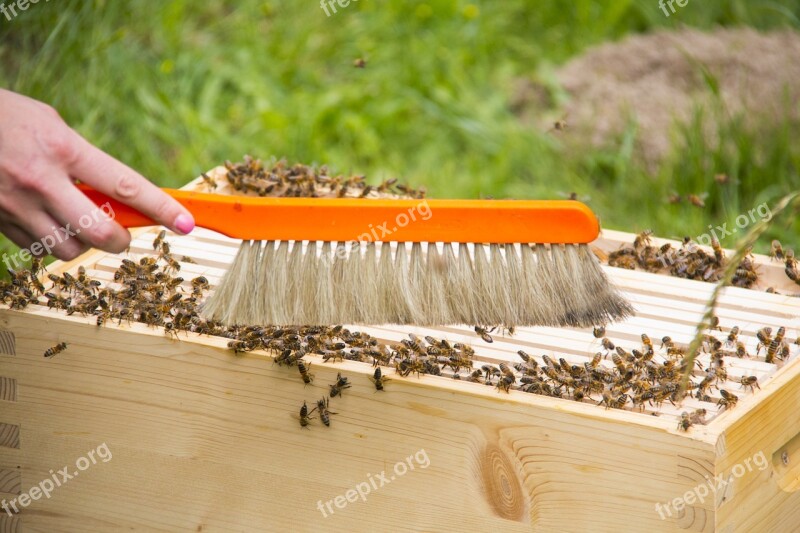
741, 350
750, 382
647, 342
340, 385
599, 332
208, 181
307, 377
764, 336
57, 349
508, 378
378, 379
776, 253
719, 254
305, 415
324, 413
728, 400
484, 333
714, 323
733, 336
685, 422
188, 260
775, 345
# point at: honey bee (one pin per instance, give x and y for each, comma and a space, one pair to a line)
37, 265
697, 200
360, 63
324, 413
560, 125
57, 349
378, 380
728, 400
775, 345
647, 342
339, 386
188, 260
749, 382
608, 345
741, 350
685, 422
722, 179
776, 253
305, 415
208, 181
733, 336
484, 333
307, 377
599, 332
714, 324
508, 378
159, 240
674, 198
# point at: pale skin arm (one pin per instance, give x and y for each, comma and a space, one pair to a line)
40, 157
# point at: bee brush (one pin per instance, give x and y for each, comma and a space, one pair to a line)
423, 262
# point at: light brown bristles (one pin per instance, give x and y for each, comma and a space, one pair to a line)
426, 284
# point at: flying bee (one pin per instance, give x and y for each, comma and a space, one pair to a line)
776, 253
559, 125
484, 333
378, 380
360, 63
608, 345
307, 377
159, 240
750, 382
674, 198
722, 179
599, 332
697, 200
324, 413
305, 415
57, 349
728, 400
339, 386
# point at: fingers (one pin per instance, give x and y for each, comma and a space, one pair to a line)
18, 236
89, 222
60, 241
98, 169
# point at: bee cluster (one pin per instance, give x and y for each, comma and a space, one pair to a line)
298, 180
151, 292
688, 261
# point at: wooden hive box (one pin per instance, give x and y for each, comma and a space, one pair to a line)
165, 434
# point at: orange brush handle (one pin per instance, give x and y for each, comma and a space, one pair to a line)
348, 219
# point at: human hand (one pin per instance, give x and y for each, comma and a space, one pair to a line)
41, 209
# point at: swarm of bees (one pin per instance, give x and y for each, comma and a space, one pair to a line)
252, 177
150, 291
687, 261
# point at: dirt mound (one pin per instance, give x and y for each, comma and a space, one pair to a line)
659, 78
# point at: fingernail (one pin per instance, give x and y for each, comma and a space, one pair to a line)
184, 224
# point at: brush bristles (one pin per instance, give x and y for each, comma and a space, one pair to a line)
427, 285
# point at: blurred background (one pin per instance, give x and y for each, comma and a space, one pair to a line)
659, 120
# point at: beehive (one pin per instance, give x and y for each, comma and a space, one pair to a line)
200, 439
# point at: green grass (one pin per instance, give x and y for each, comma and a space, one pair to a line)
173, 88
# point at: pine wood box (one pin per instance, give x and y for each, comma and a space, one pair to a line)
202, 440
